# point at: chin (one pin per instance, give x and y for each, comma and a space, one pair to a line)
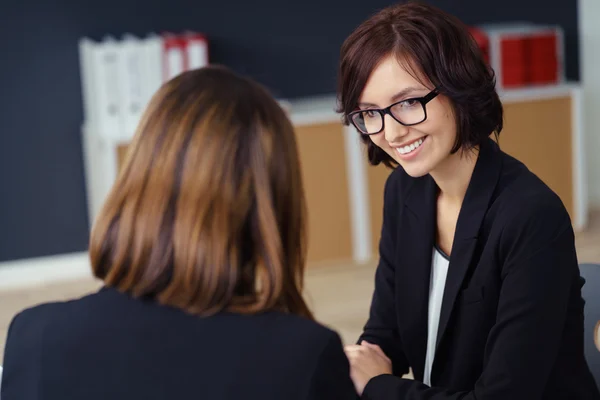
415, 171
415, 168
419, 167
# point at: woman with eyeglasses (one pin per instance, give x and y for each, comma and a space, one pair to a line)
478, 288
200, 246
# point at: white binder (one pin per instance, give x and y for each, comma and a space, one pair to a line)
107, 88
152, 66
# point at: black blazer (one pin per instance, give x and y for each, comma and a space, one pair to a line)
110, 346
511, 323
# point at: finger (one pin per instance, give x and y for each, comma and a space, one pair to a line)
352, 352
376, 348
361, 356
367, 351
351, 355
355, 350
370, 345
353, 359
367, 357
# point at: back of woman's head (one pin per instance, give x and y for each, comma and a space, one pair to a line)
208, 211
433, 46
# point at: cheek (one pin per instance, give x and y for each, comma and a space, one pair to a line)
379, 140
442, 127
451, 124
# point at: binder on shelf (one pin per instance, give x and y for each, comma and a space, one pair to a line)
152, 66
523, 54
120, 76
175, 57
87, 76
107, 88
130, 82
196, 48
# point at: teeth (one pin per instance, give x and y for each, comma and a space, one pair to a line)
411, 147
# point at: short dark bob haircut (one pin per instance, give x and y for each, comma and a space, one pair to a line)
431, 44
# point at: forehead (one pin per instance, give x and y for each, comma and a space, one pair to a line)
389, 78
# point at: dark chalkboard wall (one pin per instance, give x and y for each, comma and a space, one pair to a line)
291, 46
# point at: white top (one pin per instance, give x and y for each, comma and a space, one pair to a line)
439, 271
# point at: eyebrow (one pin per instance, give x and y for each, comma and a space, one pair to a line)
397, 96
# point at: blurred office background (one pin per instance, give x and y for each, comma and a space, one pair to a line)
56, 163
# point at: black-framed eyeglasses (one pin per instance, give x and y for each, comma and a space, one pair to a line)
407, 112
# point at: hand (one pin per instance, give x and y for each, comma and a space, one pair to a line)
366, 362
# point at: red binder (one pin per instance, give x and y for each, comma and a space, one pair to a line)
523, 54
196, 50
174, 55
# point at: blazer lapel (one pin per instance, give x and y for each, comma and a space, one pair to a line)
475, 205
416, 235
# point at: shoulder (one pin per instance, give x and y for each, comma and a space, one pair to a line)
23, 352
32, 322
310, 332
531, 214
308, 338
319, 358
525, 199
25, 338
33, 319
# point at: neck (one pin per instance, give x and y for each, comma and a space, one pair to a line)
454, 175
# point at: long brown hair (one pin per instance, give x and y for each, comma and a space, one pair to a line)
208, 211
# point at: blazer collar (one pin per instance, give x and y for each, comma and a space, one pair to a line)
416, 239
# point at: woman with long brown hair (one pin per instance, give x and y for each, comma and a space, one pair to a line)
201, 247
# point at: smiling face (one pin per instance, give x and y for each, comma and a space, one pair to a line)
421, 148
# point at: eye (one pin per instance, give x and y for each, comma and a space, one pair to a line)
409, 103
369, 113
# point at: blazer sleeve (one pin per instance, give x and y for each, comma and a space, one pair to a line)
22, 359
331, 379
538, 271
381, 327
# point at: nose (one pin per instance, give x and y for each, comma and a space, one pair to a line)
394, 131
